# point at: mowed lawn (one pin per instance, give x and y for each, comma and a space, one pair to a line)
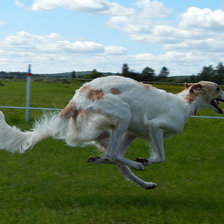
53, 184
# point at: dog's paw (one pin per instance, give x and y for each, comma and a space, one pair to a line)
99, 160
92, 159
138, 166
150, 185
142, 160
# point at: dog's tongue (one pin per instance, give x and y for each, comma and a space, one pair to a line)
216, 102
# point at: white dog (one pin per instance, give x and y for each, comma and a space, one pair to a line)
111, 112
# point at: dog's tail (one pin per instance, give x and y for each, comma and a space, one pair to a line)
13, 139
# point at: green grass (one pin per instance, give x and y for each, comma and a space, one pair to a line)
53, 184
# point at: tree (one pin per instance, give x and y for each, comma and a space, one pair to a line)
148, 74
73, 75
208, 73
95, 74
163, 73
125, 70
220, 73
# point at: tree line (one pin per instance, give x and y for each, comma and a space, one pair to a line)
148, 74
210, 73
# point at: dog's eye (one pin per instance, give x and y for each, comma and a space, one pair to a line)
218, 89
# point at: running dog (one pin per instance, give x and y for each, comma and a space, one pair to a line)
110, 112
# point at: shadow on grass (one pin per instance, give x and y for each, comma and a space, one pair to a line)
146, 201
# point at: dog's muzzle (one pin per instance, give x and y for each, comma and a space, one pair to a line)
215, 103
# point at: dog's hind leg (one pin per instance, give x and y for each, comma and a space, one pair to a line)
115, 143
126, 172
122, 117
102, 143
126, 141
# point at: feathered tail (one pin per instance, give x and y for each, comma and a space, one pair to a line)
13, 139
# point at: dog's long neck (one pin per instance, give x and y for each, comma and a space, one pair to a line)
191, 101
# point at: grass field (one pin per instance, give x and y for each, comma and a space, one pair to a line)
53, 184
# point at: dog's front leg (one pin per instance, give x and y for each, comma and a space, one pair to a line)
157, 154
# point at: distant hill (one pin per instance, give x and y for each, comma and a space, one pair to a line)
22, 75
63, 74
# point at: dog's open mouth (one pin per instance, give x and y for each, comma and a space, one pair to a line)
215, 103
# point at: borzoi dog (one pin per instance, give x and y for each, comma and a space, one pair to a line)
110, 113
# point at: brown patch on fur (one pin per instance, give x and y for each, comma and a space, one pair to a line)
188, 85
69, 111
84, 88
76, 113
195, 88
95, 94
92, 94
146, 86
115, 91
191, 97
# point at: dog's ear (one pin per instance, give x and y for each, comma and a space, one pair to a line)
196, 88
188, 85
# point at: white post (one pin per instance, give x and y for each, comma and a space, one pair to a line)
28, 93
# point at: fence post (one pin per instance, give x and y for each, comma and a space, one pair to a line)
28, 93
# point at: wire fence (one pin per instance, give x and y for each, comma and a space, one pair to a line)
57, 109
29, 108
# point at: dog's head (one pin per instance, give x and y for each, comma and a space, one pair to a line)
210, 94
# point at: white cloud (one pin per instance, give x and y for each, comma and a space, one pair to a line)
53, 53
91, 6
84, 5
152, 9
149, 8
197, 29
203, 18
179, 63
139, 21
113, 50
19, 4
50, 50
24, 41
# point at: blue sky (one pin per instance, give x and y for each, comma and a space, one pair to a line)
65, 35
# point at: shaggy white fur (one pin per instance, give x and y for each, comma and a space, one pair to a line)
13, 139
